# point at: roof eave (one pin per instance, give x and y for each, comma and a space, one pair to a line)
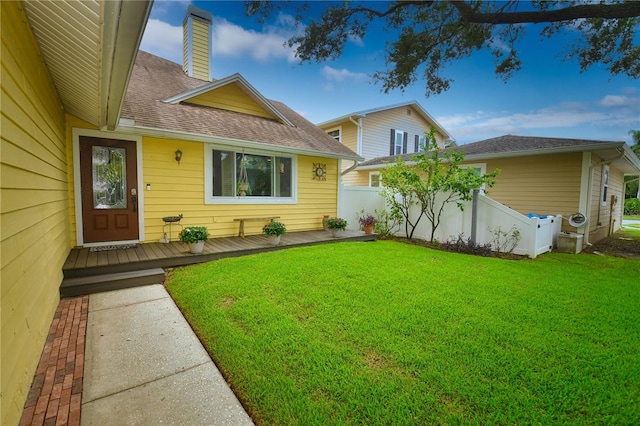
235, 143
529, 153
124, 24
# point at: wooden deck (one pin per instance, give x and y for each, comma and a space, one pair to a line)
83, 262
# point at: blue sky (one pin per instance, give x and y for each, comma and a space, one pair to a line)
546, 98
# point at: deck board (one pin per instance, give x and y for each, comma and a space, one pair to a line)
176, 253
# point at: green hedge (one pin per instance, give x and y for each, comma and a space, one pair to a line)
632, 206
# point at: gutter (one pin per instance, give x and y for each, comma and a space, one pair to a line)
228, 142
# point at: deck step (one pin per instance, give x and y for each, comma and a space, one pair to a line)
79, 286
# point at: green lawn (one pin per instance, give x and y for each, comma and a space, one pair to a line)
389, 333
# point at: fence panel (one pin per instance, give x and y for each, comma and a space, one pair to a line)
537, 235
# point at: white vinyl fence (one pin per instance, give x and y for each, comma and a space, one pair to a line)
538, 235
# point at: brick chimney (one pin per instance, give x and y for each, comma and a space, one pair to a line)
196, 43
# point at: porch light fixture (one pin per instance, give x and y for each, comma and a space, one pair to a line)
178, 156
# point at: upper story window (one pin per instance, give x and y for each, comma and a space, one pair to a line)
398, 142
420, 142
336, 134
269, 178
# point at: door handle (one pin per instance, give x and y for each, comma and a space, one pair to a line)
134, 198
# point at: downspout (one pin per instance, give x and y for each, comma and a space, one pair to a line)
358, 124
355, 164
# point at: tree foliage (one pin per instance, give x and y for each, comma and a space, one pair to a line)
435, 180
632, 185
433, 34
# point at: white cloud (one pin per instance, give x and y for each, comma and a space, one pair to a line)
616, 101
552, 120
343, 74
232, 40
163, 40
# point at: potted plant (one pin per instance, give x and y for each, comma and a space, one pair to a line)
336, 225
194, 236
367, 221
273, 231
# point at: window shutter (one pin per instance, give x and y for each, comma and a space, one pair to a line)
404, 142
392, 147
416, 144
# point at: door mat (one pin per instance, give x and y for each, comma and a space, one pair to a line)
113, 247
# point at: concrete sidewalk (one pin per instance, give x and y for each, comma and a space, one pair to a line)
144, 365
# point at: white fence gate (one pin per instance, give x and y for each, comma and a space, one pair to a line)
538, 235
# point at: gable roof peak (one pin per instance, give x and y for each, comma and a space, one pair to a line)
244, 85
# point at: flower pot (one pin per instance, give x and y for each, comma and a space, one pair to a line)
335, 233
197, 247
274, 240
368, 229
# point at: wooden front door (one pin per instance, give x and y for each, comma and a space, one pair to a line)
109, 184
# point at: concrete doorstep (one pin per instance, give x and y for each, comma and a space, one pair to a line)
145, 365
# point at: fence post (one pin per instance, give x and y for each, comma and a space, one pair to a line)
474, 216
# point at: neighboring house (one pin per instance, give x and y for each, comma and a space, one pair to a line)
76, 111
550, 176
390, 130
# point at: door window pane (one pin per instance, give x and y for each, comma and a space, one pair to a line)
109, 170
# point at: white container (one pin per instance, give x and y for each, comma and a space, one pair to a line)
570, 242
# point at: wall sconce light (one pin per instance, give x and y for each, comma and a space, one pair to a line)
178, 156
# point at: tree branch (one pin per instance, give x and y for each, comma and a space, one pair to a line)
606, 11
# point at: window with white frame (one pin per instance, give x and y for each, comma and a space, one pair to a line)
480, 169
605, 184
336, 134
399, 142
374, 179
421, 143
269, 177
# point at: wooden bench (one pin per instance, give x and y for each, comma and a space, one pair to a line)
242, 220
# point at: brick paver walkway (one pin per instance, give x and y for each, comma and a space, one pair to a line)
56, 392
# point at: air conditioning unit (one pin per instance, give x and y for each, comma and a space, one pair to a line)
570, 242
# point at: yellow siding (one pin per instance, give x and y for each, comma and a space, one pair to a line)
34, 225
356, 178
543, 184
180, 189
232, 98
201, 49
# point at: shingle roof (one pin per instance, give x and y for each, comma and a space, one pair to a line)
154, 79
510, 145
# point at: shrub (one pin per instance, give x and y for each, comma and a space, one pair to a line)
460, 245
387, 224
505, 241
632, 206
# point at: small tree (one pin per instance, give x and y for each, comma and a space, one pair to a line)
435, 180
442, 175
399, 181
